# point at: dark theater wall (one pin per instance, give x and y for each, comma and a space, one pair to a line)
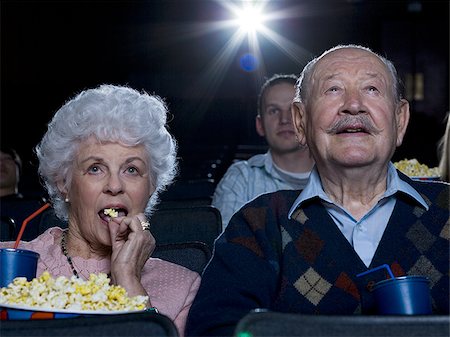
50, 50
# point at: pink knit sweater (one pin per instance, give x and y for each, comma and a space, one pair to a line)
171, 287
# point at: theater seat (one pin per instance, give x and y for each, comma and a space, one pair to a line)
140, 324
264, 323
192, 255
186, 224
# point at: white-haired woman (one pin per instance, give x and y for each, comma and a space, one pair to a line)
104, 158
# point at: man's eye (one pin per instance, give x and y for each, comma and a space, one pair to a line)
273, 111
372, 89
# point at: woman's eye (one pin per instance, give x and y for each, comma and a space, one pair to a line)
272, 111
94, 169
333, 89
132, 170
372, 89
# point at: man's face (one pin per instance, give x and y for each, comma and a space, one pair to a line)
350, 118
275, 122
9, 172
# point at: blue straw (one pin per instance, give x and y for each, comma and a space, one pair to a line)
377, 268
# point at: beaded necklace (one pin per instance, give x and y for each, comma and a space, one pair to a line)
66, 254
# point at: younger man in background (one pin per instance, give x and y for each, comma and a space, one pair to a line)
286, 165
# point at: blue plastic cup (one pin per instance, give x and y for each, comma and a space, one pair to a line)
405, 295
17, 263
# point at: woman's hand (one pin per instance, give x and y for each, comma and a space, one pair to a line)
131, 247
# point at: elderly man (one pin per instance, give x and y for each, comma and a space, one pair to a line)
300, 252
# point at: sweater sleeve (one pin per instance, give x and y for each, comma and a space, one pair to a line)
238, 279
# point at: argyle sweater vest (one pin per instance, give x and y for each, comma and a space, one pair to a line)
306, 265
317, 266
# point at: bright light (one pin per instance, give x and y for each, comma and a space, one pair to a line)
248, 14
250, 19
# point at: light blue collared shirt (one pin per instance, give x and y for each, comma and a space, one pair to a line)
247, 179
364, 235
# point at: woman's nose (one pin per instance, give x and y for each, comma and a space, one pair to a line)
114, 184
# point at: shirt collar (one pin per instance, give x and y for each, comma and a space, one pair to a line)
260, 160
313, 189
264, 160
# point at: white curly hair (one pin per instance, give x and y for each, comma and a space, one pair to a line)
109, 113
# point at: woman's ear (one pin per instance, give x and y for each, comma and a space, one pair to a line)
298, 114
61, 184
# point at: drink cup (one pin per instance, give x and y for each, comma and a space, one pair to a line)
17, 263
405, 295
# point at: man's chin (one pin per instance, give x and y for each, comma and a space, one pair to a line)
287, 149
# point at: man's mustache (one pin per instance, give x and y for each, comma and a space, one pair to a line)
351, 122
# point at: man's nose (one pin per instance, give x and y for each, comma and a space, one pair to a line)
353, 103
285, 116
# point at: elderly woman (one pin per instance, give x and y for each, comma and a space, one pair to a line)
104, 159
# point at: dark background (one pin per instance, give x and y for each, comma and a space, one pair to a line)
51, 50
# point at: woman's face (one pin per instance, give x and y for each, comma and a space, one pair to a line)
107, 175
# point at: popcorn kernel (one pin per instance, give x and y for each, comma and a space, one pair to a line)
412, 168
111, 212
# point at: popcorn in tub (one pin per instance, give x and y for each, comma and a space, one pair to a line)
412, 168
65, 296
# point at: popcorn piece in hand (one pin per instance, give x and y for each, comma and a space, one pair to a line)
111, 212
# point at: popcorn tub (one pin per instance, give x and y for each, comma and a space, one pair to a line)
18, 312
22, 312
48, 298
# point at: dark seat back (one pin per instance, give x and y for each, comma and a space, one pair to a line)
18, 209
49, 219
192, 255
7, 228
188, 193
186, 224
285, 324
140, 324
